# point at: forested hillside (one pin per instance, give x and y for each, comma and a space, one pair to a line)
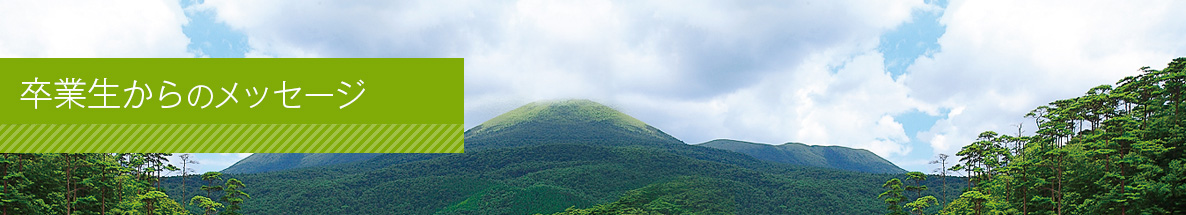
1118, 149
551, 156
836, 157
553, 177
569, 157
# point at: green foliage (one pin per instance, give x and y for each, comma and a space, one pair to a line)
686, 195
893, 196
515, 200
820, 156
1114, 150
156, 202
971, 202
550, 178
211, 178
916, 179
208, 205
920, 205
84, 184
547, 163
234, 196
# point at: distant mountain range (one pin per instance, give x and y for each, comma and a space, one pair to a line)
837, 157
553, 119
546, 157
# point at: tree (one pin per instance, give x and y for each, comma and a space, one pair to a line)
210, 178
185, 159
1114, 150
86, 183
977, 200
921, 204
157, 164
970, 202
16, 197
151, 200
917, 178
941, 159
234, 196
205, 203
893, 196
71, 190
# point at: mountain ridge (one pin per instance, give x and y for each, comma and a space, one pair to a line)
542, 122
586, 122
837, 157
569, 154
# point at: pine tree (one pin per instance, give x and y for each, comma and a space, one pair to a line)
916, 178
205, 203
152, 200
1114, 150
941, 159
185, 160
234, 196
920, 205
211, 178
893, 196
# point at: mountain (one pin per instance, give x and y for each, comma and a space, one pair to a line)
568, 121
549, 157
557, 121
266, 162
836, 157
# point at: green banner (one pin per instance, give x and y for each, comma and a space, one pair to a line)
372, 105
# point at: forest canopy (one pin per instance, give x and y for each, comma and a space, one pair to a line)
100, 183
1118, 149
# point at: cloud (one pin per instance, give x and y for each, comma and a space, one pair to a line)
851, 105
770, 71
356, 28
55, 28
804, 71
679, 49
1000, 59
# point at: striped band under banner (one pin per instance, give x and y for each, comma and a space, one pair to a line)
231, 138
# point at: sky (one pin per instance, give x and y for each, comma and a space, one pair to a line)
905, 79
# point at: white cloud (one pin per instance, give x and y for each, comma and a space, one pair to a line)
850, 107
56, 28
804, 71
307, 28
766, 71
839, 98
1000, 59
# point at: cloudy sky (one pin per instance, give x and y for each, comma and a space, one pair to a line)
904, 79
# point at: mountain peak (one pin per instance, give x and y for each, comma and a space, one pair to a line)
577, 120
561, 112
